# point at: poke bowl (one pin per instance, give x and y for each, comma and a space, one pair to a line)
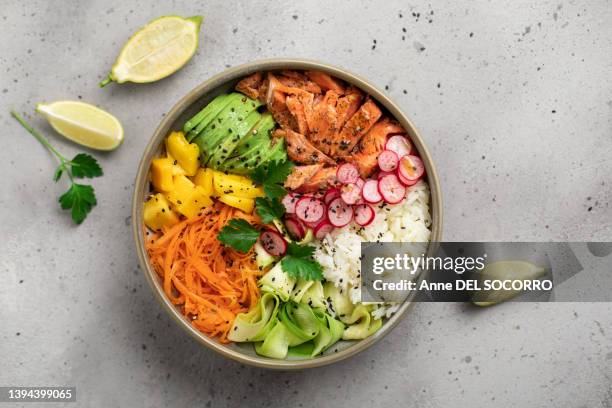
251, 202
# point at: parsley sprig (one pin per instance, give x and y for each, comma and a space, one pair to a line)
299, 263
239, 234
272, 177
80, 198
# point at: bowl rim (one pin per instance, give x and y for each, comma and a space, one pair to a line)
162, 130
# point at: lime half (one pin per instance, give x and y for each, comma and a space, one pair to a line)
157, 50
83, 123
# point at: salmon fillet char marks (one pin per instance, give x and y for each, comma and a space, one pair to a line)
300, 175
300, 150
357, 126
250, 86
311, 178
365, 154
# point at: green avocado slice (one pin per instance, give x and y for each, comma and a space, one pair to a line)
248, 153
218, 129
204, 116
236, 133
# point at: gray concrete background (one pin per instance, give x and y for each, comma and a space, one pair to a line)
514, 99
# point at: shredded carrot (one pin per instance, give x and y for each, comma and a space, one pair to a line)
209, 282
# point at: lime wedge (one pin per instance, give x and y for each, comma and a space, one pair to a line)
157, 50
83, 123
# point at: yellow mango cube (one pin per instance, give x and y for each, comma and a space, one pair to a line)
198, 201
157, 213
204, 179
187, 198
183, 187
245, 204
161, 174
186, 154
235, 185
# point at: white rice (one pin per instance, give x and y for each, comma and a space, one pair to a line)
339, 252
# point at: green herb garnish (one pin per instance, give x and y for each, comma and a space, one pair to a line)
299, 263
239, 234
273, 177
269, 209
80, 198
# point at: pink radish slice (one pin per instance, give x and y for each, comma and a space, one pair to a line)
295, 228
339, 212
273, 243
404, 180
399, 144
289, 202
370, 192
391, 189
347, 173
388, 160
324, 228
381, 174
364, 214
330, 194
310, 209
411, 167
351, 193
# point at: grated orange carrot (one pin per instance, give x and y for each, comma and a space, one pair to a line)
211, 283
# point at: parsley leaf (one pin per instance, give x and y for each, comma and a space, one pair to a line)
84, 165
269, 209
239, 234
299, 263
80, 198
272, 178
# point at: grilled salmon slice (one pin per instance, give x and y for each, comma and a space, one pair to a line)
323, 122
325, 81
296, 79
323, 178
300, 150
250, 86
365, 154
348, 105
354, 129
300, 175
300, 107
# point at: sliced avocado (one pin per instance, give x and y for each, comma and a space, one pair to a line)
206, 114
248, 154
211, 115
236, 133
261, 131
219, 128
205, 122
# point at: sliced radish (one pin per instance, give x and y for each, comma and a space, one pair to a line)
370, 192
273, 243
310, 209
399, 144
381, 174
289, 202
339, 212
411, 167
295, 228
330, 194
391, 189
351, 193
364, 214
404, 180
347, 173
324, 228
388, 160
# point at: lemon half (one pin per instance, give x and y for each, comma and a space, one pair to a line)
83, 123
157, 50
